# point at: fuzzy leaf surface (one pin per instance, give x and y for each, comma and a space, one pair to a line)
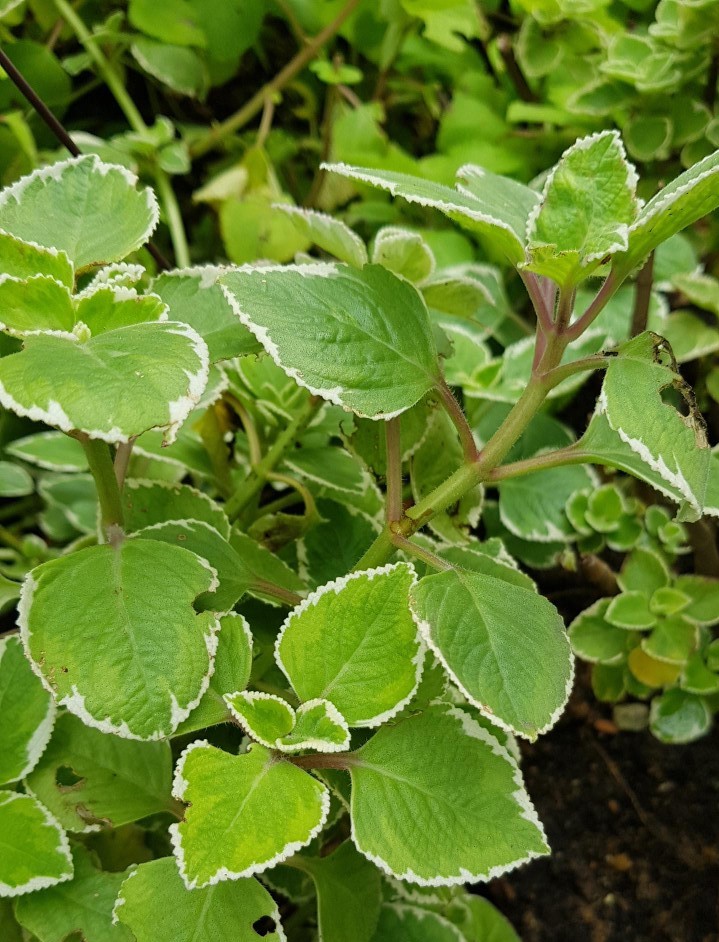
502, 643
67, 206
122, 656
27, 713
353, 642
324, 323
245, 813
36, 852
409, 780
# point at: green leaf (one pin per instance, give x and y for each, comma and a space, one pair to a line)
204, 541
67, 206
331, 548
36, 850
179, 68
27, 713
265, 716
327, 233
432, 763
264, 565
492, 206
35, 305
353, 642
673, 640
53, 451
245, 813
318, 725
678, 717
75, 496
672, 445
233, 663
631, 610
194, 297
349, 894
20, 259
414, 924
87, 778
594, 639
82, 905
323, 323
169, 20
107, 307
689, 197
698, 678
484, 923
403, 252
502, 644
113, 387
330, 467
226, 912
146, 503
704, 594
14, 480
95, 627
589, 201
531, 506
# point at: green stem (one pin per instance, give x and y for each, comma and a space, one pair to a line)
474, 472
459, 420
598, 361
245, 494
240, 118
407, 546
286, 596
173, 218
550, 459
103, 471
136, 122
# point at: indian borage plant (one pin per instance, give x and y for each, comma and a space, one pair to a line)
377, 776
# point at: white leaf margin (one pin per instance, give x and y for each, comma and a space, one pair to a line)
39, 882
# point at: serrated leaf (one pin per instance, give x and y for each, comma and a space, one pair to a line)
67, 206
226, 912
265, 716
414, 924
318, 725
490, 205
672, 445
37, 304
233, 663
349, 894
21, 259
146, 503
194, 297
688, 198
588, 204
501, 643
86, 777
27, 713
405, 253
245, 813
327, 233
323, 323
204, 541
95, 627
109, 307
53, 451
434, 763
37, 852
353, 642
82, 905
113, 387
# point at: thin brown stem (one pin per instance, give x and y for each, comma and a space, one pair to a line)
341, 760
265, 587
123, 454
427, 556
239, 119
514, 71
536, 291
575, 330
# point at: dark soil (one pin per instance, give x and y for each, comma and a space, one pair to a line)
634, 829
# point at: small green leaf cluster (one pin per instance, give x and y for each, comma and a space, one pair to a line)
354, 756
653, 642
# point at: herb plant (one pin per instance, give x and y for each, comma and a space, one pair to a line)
338, 688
